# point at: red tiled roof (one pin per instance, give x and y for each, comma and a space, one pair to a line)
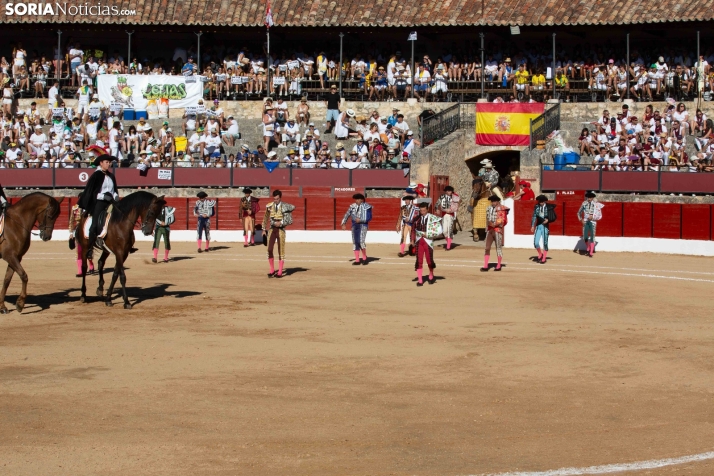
392, 13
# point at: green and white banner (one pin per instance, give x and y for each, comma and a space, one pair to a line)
155, 94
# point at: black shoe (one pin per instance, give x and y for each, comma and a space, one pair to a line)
484, 270
365, 262
277, 276
497, 269
431, 281
272, 275
153, 260
420, 285
200, 250
355, 263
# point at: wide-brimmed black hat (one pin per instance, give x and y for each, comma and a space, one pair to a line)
101, 159
358, 196
407, 197
542, 198
247, 190
494, 198
201, 194
590, 195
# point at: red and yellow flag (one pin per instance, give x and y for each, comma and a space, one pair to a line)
505, 123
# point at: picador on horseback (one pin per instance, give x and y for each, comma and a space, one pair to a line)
99, 193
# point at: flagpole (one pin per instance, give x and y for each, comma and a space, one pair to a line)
269, 86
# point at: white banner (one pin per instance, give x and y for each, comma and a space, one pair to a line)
155, 94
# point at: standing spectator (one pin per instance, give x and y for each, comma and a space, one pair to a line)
333, 108
268, 126
75, 59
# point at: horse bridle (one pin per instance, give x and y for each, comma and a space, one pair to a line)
43, 226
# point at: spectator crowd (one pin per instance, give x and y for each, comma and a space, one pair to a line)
382, 72
655, 141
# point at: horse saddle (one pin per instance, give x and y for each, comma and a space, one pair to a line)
103, 218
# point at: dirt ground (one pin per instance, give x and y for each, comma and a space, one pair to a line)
349, 370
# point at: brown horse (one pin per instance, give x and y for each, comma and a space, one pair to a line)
20, 218
120, 239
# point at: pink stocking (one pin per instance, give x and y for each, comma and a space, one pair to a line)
540, 255
364, 254
272, 265
401, 248
431, 274
499, 263
356, 256
245, 239
199, 243
166, 255
280, 269
545, 254
485, 261
207, 244
448, 243
419, 275
156, 252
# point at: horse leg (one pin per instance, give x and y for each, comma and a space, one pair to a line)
100, 270
8, 277
122, 278
110, 291
20, 304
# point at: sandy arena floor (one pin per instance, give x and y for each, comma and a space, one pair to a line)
344, 370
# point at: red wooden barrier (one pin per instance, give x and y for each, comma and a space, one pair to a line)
261, 177
298, 214
637, 220
522, 214
127, 177
73, 177
320, 213
321, 192
570, 180
691, 183
667, 220
611, 223
26, 177
321, 178
184, 177
629, 182
227, 214
379, 178
696, 222
571, 225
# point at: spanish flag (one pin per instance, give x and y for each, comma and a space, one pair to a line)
505, 123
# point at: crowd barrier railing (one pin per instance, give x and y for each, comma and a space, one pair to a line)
168, 177
660, 181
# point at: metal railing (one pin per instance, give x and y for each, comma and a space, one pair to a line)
544, 124
447, 121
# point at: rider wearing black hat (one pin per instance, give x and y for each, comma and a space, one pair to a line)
99, 193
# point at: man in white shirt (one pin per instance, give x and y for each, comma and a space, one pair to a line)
52, 95
13, 155
115, 136
401, 127
195, 143
315, 133
291, 133
232, 134
212, 145
75, 59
